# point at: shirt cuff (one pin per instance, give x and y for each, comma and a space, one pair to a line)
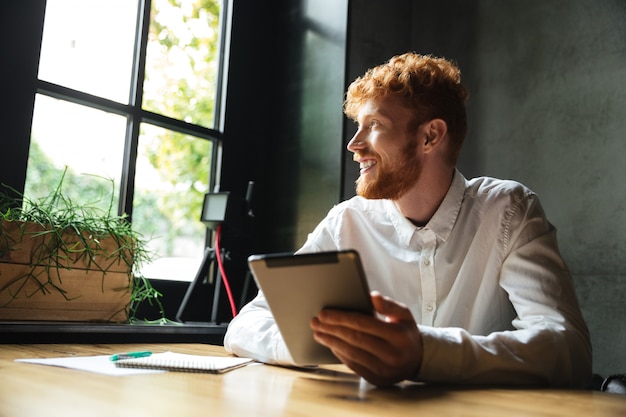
441, 359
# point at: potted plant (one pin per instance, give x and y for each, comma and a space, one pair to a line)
64, 261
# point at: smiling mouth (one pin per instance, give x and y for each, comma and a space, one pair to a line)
365, 165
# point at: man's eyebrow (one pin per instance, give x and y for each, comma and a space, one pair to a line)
375, 115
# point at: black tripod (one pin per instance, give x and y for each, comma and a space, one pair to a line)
201, 284
218, 207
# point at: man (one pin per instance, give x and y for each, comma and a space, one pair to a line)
467, 279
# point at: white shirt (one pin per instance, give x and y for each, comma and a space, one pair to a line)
484, 280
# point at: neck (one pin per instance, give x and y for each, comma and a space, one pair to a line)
421, 202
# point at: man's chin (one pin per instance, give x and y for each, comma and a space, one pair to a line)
368, 191
379, 191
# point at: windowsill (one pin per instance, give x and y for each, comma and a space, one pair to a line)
76, 332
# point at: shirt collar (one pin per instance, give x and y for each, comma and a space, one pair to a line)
445, 217
442, 221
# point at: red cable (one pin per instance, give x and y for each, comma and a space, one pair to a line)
218, 253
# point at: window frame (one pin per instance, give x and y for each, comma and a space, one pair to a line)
134, 113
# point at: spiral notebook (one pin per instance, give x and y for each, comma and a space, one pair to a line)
181, 362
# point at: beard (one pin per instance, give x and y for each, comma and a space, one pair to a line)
392, 182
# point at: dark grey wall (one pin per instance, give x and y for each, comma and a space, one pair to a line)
548, 108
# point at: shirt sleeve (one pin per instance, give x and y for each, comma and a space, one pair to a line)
253, 333
550, 344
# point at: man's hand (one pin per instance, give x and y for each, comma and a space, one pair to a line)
383, 350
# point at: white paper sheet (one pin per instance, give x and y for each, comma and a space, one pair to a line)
98, 364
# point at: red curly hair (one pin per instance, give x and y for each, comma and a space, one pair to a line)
430, 86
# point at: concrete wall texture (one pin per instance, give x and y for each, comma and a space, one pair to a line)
549, 111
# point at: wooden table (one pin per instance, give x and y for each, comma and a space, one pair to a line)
29, 390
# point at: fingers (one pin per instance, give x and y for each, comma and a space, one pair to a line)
350, 321
378, 361
384, 349
358, 356
381, 377
390, 309
342, 334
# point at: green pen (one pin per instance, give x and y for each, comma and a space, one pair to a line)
129, 355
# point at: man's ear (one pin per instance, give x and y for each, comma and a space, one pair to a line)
435, 132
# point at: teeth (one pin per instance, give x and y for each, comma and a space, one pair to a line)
367, 164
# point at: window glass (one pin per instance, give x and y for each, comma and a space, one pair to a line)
88, 46
89, 142
182, 60
170, 183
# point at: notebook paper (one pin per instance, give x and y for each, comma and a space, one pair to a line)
170, 361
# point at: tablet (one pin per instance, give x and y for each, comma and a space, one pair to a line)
298, 287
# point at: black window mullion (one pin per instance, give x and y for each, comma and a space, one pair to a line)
60, 92
223, 54
78, 97
179, 126
129, 166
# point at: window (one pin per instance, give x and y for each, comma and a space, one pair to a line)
129, 94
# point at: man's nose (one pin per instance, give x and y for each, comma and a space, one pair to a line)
356, 143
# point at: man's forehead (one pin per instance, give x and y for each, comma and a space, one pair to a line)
389, 107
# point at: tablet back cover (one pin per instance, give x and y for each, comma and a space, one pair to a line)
298, 287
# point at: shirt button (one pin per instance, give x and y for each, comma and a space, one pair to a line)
429, 307
427, 262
